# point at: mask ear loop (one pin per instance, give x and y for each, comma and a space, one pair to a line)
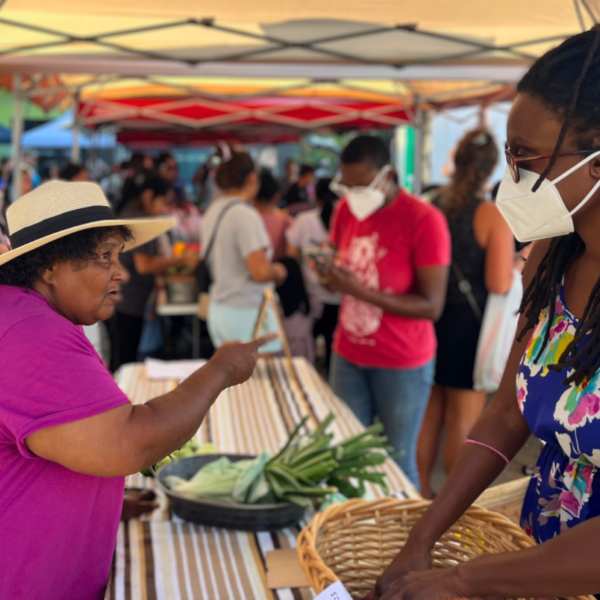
380, 176
586, 199
338, 188
572, 170
575, 167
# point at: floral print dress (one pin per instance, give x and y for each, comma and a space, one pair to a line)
564, 489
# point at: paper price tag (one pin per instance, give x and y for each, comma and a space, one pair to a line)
334, 592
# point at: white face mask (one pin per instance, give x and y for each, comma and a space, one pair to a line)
541, 214
363, 201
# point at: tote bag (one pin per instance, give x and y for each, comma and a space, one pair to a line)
497, 335
498, 329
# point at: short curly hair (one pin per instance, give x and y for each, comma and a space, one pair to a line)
79, 248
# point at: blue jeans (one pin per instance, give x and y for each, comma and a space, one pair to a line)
397, 396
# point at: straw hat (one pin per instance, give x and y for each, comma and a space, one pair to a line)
58, 208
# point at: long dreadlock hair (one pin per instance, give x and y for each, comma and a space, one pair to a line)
567, 81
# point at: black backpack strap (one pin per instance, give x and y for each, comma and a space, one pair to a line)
465, 287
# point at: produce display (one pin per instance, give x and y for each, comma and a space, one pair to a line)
309, 466
190, 449
181, 249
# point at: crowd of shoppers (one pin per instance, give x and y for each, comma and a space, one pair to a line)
365, 275
413, 277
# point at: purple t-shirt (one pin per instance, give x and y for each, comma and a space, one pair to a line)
57, 527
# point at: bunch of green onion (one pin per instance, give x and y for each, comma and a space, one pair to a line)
311, 466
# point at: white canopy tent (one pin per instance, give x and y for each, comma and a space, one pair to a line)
422, 54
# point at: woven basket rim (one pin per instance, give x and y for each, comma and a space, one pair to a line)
320, 576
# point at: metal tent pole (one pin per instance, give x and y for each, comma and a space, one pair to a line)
17, 135
75, 148
419, 146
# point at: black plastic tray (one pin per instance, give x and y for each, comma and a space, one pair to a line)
241, 517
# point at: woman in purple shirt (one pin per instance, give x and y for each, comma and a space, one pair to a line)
68, 434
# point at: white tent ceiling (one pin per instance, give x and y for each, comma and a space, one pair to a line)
312, 38
422, 53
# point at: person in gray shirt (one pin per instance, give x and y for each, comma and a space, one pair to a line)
240, 257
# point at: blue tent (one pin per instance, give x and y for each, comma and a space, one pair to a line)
58, 134
4, 135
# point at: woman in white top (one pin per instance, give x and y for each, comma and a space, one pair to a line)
240, 257
310, 229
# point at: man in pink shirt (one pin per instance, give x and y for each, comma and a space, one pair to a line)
392, 267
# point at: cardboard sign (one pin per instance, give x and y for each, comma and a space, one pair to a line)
284, 570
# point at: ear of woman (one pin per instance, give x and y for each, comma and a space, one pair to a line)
251, 186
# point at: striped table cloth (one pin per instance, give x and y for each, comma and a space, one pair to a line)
159, 558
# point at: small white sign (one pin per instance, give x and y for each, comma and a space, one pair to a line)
334, 592
171, 369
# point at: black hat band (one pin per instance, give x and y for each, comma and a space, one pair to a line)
68, 220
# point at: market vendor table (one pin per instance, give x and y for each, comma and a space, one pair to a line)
168, 559
164, 308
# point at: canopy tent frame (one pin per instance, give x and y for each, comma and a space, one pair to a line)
414, 104
17, 134
477, 47
34, 91
508, 61
280, 44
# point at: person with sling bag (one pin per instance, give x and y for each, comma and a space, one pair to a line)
237, 256
482, 263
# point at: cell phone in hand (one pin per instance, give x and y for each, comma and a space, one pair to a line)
323, 257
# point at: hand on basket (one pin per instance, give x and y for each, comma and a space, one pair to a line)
240, 359
408, 561
435, 584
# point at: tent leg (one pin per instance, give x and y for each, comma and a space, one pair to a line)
17, 135
75, 148
482, 117
419, 148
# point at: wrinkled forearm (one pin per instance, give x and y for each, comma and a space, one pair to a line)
164, 424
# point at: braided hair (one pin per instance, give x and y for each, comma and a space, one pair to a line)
567, 81
474, 161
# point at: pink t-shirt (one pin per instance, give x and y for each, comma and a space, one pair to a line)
383, 251
57, 528
276, 226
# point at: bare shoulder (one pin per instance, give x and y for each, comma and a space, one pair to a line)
488, 212
487, 221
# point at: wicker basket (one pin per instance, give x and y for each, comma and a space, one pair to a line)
355, 541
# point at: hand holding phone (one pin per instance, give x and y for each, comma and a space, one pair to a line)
321, 257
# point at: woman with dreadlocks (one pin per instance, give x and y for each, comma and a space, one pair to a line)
551, 386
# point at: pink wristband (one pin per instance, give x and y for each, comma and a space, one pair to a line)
489, 448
